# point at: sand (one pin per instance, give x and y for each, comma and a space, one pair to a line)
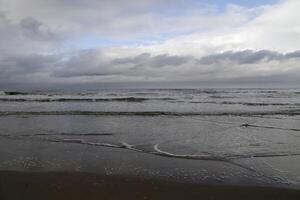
67, 185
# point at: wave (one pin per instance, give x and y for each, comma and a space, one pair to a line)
293, 112
156, 150
66, 134
16, 93
139, 99
153, 91
222, 97
269, 127
247, 103
124, 99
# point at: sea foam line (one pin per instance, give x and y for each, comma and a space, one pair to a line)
153, 113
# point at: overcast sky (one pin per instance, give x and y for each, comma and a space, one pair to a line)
72, 43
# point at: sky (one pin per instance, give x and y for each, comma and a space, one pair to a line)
46, 44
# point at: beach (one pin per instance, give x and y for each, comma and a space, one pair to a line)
150, 144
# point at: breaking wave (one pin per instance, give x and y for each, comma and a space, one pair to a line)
292, 112
246, 103
124, 99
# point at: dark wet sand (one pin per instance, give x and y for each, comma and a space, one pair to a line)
72, 185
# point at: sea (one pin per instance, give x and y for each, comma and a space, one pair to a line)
253, 133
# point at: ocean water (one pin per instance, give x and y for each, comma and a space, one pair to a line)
255, 130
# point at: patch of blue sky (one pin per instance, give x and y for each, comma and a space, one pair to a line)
93, 41
90, 42
183, 7
222, 4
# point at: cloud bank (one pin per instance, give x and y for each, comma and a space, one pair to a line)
95, 42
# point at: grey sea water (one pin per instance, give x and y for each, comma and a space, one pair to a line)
251, 133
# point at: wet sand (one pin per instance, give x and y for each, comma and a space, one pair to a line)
67, 185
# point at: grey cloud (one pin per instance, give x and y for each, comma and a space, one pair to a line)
27, 36
233, 57
132, 60
94, 64
247, 57
93, 73
147, 59
167, 60
80, 17
118, 18
84, 63
35, 30
295, 54
16, 65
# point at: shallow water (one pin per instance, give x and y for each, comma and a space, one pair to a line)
255, 131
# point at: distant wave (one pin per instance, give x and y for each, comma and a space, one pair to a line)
222, 97
16, 93
123, 99
139, 99
153, 113
247, 103
157, 91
